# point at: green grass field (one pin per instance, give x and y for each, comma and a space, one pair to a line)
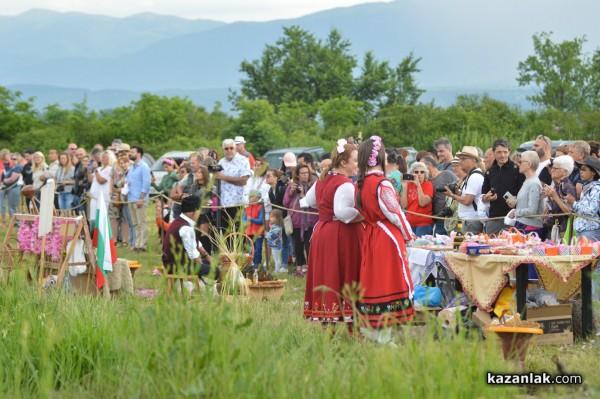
62, 345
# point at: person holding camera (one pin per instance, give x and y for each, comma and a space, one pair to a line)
501, 178
186, 182
303, 223
467, 206
417, 197
233, 177
439, 179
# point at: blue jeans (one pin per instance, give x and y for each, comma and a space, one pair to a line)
65, 200
285, 251
129, 222
258, 242
14, 198
3, 198
439, 228
421, 231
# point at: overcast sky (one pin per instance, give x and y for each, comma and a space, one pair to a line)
222, 10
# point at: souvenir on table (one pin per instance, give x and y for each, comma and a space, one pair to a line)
513, 235
551, 249
582, 246
474, 248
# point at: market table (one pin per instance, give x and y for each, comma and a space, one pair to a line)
483, 278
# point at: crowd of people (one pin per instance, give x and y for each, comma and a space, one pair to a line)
342, 222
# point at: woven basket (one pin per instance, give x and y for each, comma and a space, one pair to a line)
243, 260
266, 290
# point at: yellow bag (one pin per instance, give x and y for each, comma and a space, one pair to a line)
506, 301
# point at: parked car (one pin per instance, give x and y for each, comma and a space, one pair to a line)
555, 144
412, 155
275, 157
157, 167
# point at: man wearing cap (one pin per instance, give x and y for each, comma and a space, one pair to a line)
116, 145
181, 246
240, 146
233, 178
502, 177
469, 157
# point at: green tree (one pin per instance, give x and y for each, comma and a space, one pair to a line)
300, 67
258, 124
403, 89
565, 78
17, 116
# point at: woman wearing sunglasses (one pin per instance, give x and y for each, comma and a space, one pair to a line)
417, 197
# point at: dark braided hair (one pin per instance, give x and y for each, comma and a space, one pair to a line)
364, 153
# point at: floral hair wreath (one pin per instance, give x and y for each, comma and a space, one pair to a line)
376, 147
340, 145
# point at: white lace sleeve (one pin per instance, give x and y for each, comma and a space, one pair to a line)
388, 203
343, 203
310, 199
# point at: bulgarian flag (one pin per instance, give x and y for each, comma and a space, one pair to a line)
106, 255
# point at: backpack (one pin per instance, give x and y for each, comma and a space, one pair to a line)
472, 172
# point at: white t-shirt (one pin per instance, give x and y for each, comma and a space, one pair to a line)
96, 188
473, 187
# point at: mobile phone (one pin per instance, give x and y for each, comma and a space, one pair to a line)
508, 196
408, 176
493, 191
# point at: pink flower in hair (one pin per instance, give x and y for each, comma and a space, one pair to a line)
376, 147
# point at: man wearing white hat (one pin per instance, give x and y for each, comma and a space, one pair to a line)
240, 146
467, 207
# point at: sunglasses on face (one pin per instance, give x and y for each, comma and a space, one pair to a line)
419, 171
228, 148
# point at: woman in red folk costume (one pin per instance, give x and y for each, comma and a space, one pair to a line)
385, 281
334, 257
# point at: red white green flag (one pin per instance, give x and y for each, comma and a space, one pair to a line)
106, 255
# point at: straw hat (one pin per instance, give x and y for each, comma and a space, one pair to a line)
471, 152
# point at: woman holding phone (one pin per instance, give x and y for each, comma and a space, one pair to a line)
417, 199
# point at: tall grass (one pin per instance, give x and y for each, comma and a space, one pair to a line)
62, 345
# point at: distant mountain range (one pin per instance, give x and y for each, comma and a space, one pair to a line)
466, 46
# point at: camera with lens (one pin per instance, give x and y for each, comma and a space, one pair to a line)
452, 187
446, 212
215, 168
286, 176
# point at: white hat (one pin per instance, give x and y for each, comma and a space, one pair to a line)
470, 152
239, 140
289, 160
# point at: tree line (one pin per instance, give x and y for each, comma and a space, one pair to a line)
304, 90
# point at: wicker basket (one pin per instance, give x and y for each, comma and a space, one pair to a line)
243, 260
265, 290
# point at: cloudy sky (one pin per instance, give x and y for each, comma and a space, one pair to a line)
222, 10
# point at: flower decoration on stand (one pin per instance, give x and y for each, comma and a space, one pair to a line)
30, 242
340, 145
376, 147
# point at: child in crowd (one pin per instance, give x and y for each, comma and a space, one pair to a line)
275, 238
254, 222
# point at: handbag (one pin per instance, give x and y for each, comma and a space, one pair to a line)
288, 226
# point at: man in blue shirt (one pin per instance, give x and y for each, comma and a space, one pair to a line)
138, 179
